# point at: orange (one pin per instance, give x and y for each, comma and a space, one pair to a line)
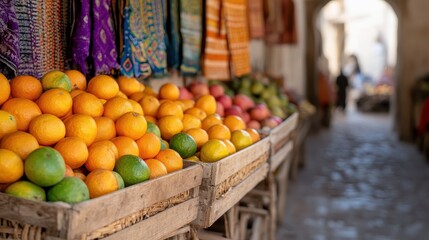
149, 91
180, 103
149, 145
4, 89
26, 190
190, 121
76, 92
125, 145
169, 91
169, 126
137, 96
26, 87
89, 104
56, 79
219, 131
69, 171
213, 150
150, 119
57, 102
116, 107
103, 86
150, 105
156, 167
142, 87
82, 126
11, 166
230, 145
79, 175
106, 128
128, 85
169, 108
254, 134
197, 113
23, 110
187, 103
207, 103
101, 182
47, 129
234, 123
77, 79
110, 145
100, 156
171, 160
211, 120
73, 150
136, 107
132, 125
19, 142
241, 139
200, 136
122, 95
67, 116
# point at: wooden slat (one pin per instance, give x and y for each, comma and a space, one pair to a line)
280, 156
179, 231
284, 129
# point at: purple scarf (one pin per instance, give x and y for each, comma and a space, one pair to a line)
9, 38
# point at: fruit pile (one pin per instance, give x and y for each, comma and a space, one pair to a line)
64, 140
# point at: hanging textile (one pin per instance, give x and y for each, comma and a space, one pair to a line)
288, 34
256, 18
238, 37
9, 39
118, 22
174, 54
281, 25
29, 40
191, 30
82, 34
216, 55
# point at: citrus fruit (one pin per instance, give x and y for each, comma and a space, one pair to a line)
169, 126
136, 107
193, 159
56, 79
77, 79
103, 86
211, 120
153, 128
230, 146
69, 190
169, 91
213, 150
171, 160
7, 123
116, 107
241, 139
164, 144
69, 171
27, 87
26, 190
101, 182
189, 121
219, 131
132, 169
254, 134
207, 103
106, 128
100, 156
128, 85
169, 108
122, 95
150, 105
23, 110
199, 135
4, 89
47, 129
137, 96
234, 122
132, 125
149, 145
121, 183
57, 102
19, 142
80, 173
81, 126
110, 145
194, 111
187, 103
11, 166
150, 119
76, 92
125, 145
89, 104
156, 167
149, 91
73, 150
45, 167
183, 144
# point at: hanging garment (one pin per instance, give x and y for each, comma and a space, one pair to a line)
117, 9
238, 37
29, 41
9, 39
174, 54
82, 35
256, 18
191, 30
281, 25
288, 35
216, 55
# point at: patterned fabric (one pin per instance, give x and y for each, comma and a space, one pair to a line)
216, 55
238, 37
256, 18
9, 39
289, 33
191, 30
281, 25
174, 54
82, 35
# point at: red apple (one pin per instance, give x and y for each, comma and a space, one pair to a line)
185, 94
243, 101
225, 100
216, 90
254, 124
277, 119
259, 112
198, 89
219, 109
246, 117
233, 110
269, 122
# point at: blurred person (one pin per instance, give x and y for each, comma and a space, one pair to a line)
342, 83
325, 91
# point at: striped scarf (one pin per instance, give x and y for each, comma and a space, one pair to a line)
191, 30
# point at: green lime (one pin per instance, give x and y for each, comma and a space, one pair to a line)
45, 167
184, 144
153, 128
132, 169
121, 183
164, 144
27, 190
69, 190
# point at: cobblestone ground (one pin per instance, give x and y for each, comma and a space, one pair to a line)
359, 182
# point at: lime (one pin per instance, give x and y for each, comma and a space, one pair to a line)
121, 183
184, 144
45, 167
153, 128
69, 190
164, 144
132, 169
56, 79
27, 190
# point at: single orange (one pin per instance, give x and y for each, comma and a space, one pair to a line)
11, 166
136, 107
149, 145
169, 108
47, 129
254, 134
170, 126
106, 128
110, 145
211, 120
101, 182
4, 89
100, 156
76, 92
151, 119
219, 131
56, 80
171, 159
23, 110
103, 86
207, 103
73, 150
150, 105
116, 107
200, 136
77, 79
132, 125
57, 102
82, 126
128, 85
169, 91
194, 111
189, 121
234, 123
156, 167
137, 96
26, 87
125, 145
89, 104
19, 142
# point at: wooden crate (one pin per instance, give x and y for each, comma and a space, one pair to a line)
136, 212
225, 182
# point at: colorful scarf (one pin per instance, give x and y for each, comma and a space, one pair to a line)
238, 37
191, 30
256, 18
280, 25
9, 39
216, 55
81, 36
173, 32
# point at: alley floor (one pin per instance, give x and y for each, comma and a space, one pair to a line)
360, 182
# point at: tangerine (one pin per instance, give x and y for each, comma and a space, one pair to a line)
89, 104
149, 145
132, 125
169, 126
103, 86
200, 136
106, 128
211, 120
4, 89
116, 107
234, 123
77, 79
27, 87
125, 145
194, 111
169, 108
129, 85
24, 111
57, 102
150, 105
73, 150
47, 129
171, 160
11, 166
219, 131
82, 126
169, 91
19, 142
190, 121
156, 167
101, 182
207, 103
